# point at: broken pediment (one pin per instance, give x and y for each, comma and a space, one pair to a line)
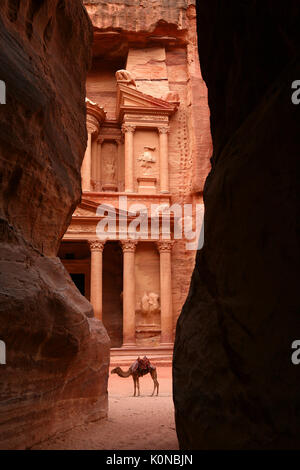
132, 101
88, 208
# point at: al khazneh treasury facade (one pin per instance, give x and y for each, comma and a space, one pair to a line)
145, 98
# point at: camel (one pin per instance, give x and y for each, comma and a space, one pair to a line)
136, 372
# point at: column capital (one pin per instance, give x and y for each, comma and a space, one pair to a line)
92, 125
100, 140
96, 245
128, 127
129, 245
95, 116
165, 245
163, 129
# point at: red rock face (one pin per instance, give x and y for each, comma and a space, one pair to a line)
234, 383
140, 15
57, 358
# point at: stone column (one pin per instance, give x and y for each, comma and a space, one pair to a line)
119, 182
96, 276
86, 166
165, 248
94, 164
128, 247
93, 127
99, 163
164, 159
128, 130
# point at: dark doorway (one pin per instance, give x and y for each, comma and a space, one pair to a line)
112, 292
79, 282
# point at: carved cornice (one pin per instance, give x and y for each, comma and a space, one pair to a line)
128, 128
165, 245
129, 245
96, 245
163, 129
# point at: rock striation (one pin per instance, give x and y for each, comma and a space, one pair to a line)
235, 386
57, 354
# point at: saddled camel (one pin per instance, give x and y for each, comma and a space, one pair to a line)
136, 372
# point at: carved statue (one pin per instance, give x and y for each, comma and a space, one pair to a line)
153, 302
109, 163
110, 171
144, 303
125, 77
149, 303
147, 158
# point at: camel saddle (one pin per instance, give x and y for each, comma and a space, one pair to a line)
142, 366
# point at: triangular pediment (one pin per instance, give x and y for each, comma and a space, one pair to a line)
88, 208
85, 210
132, 100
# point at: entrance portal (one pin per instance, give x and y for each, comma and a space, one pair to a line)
79, 281
75, 256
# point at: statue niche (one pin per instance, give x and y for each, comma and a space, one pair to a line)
109, 166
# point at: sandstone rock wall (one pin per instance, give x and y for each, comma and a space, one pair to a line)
139, 15
57, 357
234, 383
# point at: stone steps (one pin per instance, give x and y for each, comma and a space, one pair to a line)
125, 356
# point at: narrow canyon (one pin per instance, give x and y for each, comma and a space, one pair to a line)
128, 130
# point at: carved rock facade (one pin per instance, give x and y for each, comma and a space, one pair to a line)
147, 82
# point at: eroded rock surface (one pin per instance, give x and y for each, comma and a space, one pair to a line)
57, 355
234, 383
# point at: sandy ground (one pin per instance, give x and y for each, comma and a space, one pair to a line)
143, 422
